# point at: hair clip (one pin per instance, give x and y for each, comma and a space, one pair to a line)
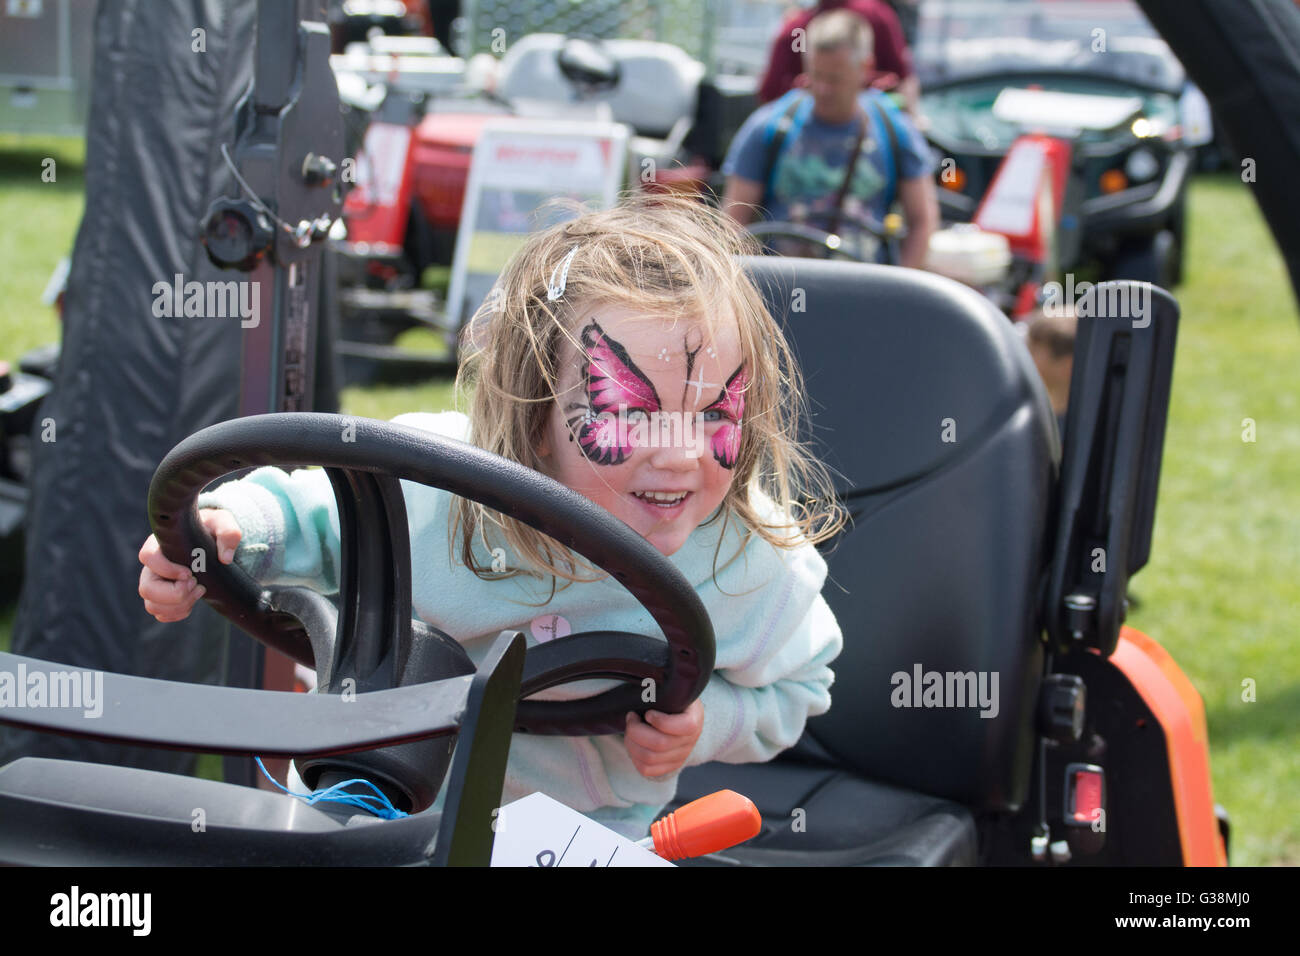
554, 291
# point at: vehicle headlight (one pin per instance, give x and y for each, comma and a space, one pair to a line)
1141, 165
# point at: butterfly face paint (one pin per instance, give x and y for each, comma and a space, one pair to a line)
729, 408
612, 380
619, 436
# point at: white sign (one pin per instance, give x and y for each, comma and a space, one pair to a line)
381, 162
518, 166
23, 8
1198, 121
539, 831
1051, 110
1010, 206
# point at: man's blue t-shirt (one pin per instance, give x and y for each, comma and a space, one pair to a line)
810, 168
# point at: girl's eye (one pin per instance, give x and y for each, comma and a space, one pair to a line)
716, 415
634, 412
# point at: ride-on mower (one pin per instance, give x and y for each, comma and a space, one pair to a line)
1095, 78
415, 158
989, 707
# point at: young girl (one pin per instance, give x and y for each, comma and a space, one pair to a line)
626, 355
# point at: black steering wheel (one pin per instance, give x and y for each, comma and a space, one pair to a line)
372, 630
823, 244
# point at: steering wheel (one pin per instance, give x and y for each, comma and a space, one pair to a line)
372, 630
831, 244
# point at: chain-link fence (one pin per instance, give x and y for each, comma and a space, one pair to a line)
726, 35
743, 36
731, 34
685, 23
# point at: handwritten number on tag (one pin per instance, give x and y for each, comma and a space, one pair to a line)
550, 854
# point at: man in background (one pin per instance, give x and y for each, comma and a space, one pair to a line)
834, 153
893, 60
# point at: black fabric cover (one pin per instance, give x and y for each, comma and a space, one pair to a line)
1245, 57
131, 385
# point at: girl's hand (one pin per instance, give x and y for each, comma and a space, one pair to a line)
170, 590
660, 744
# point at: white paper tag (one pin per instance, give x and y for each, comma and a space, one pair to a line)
539, 831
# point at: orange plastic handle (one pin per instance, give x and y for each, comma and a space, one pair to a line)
706, 825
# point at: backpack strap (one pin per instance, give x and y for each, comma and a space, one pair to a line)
880, 113
778, 131
849, 168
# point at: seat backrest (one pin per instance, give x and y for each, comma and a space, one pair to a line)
927, 404
659, 85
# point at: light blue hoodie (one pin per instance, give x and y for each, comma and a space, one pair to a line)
775, 634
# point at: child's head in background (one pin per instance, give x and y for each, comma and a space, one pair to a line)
627, 355
1050, 338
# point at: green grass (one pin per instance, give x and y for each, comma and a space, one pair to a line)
1222, 591
40, 223
388, 401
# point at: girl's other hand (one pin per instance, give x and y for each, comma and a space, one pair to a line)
660, 744
170, 590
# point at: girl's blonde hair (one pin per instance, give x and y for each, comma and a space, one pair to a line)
663, 256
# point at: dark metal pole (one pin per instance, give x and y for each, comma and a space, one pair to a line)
287, 150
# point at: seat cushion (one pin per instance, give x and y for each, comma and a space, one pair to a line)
846, 820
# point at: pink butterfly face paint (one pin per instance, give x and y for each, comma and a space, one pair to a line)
729, 409
612, 381
620, 434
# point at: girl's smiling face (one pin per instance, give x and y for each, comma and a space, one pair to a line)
648, 420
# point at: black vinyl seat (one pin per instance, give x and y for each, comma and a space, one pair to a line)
823, 816
929, 409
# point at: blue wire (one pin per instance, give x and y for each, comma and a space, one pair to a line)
336, 794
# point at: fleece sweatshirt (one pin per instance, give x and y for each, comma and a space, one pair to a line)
775, 633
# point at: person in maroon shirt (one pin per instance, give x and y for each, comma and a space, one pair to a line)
893, 59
